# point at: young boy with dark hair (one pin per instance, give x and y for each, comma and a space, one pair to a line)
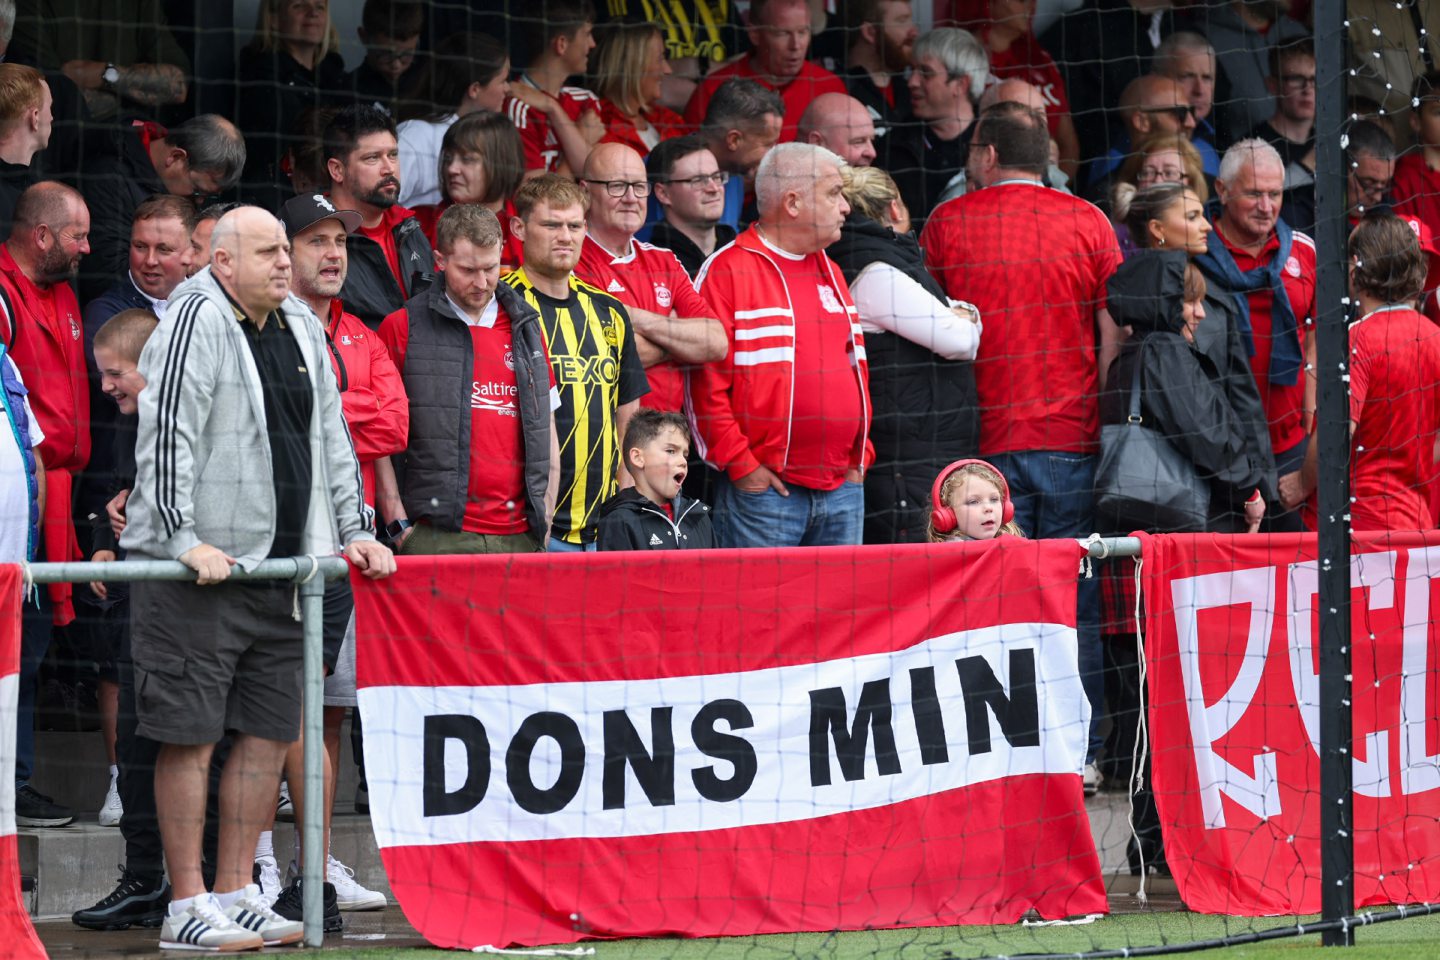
654, 514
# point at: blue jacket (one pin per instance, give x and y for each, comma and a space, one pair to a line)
12, 401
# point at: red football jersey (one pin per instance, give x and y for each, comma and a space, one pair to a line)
1035, 262
650, 278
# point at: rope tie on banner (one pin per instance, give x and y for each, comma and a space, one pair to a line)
1087, 566
301, 581
29, 589
538, 952
1140, 751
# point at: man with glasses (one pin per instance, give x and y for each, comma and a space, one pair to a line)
199, 158
689, 187
390, 30
673, 325
1291, 128
1151, 104
1244, 33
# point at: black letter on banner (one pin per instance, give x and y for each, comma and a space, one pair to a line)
827, 715
470, 732
929, 722
656, 774
723, 746
1019, 714
572, 762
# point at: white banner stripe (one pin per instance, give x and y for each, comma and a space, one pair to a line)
757, 333
763, 312
9, 706
779, 704
751, 358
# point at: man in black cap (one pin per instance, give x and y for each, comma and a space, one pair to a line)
377, 414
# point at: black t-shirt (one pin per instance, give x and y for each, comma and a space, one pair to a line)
289, 405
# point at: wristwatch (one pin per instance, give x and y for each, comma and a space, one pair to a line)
395, 528
111, 76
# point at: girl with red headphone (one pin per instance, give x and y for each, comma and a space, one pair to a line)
971, 501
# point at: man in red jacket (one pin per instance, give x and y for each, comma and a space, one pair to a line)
780, 35
41, 323
786, 413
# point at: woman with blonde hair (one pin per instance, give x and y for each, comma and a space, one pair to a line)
920, 345
627, 68
1162, 158
291, 65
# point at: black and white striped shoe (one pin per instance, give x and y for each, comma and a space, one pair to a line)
204, 926
252, 912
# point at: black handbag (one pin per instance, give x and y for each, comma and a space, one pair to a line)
1141, 482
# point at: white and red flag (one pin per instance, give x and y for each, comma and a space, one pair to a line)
727, 742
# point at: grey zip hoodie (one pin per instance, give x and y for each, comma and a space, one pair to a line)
203, 469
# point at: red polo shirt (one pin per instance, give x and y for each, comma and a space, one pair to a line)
809, 83
1284, 405
1416, 190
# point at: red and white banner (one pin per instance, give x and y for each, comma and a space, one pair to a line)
727, 742
16, 931
1232, 653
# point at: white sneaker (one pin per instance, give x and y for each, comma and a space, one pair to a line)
111, 810
1090, 779
204, 926
284, 809
348, 892
267, 877
254, 914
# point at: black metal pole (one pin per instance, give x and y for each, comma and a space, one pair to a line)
1337, 851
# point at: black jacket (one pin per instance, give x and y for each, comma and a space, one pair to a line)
926, 413
685, 250
630, 521
274, 92
370, 290
1099, 49
114, 185
1182, 394
434, 473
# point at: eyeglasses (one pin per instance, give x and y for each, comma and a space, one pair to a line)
929, 73
1148, 175
1369, 185
617, 188
1180, 111
1295, 82
719, 178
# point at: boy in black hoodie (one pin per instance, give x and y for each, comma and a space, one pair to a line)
654, 515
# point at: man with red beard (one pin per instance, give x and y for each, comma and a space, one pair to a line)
42, 327
390, 259
884, 32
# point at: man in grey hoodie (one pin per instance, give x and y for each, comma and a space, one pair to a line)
242, 454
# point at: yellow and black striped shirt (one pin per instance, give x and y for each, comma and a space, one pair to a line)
597, 370
706, 29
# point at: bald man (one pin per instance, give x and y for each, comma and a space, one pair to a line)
1019, 91
673, 325
1151, 104
841, 124
241, 455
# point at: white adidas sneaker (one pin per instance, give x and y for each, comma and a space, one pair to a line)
205, 926
254, 914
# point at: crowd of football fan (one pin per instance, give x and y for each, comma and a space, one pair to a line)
546, 277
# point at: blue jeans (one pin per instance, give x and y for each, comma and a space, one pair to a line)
806, 518
565, 546
1054, 496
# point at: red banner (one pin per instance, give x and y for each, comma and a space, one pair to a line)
1232, 636
16, 932
727, 742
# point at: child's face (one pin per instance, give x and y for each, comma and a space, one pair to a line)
1426, 121
120, 379
659, 466
978, 507
1194, 312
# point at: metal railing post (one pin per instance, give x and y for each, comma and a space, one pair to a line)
312, 832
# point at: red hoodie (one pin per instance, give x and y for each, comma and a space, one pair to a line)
372, 395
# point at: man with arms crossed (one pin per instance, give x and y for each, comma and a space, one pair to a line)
236, 461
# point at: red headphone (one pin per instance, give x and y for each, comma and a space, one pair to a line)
942, 518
